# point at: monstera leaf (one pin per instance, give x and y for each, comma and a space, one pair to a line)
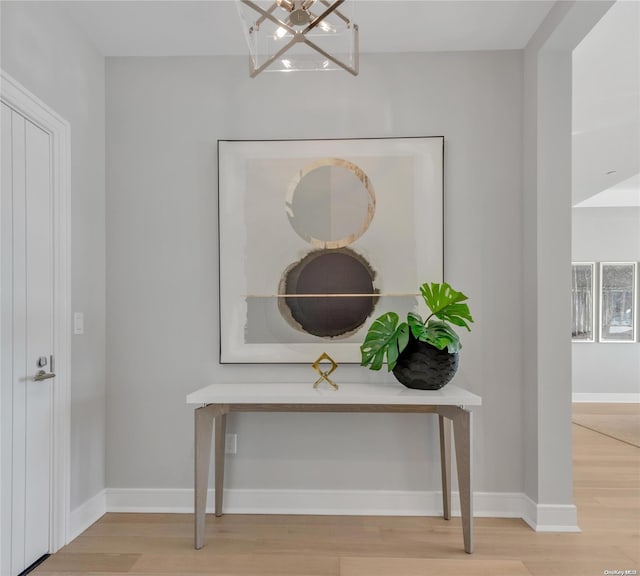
436, 332
385, 338
416, 325
445, 304
441, 335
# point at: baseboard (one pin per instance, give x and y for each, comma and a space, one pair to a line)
320, 502
607, 398
86, 514
343, 502
541, 517
550, 517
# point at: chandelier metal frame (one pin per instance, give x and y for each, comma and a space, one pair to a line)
299, 9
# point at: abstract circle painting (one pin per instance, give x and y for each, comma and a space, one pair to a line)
330, 292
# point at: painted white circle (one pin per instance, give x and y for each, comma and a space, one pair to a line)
331, 203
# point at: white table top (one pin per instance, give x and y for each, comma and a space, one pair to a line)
304, 393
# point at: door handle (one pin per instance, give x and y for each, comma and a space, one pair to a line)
42, 375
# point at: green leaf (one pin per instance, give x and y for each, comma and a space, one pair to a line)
403, 336
413, 318
445, 303
416, 324
385, 338
441, 335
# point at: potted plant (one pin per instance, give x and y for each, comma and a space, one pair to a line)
421, 353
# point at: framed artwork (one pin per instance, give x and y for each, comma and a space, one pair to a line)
319, 237
582, 301
618, 293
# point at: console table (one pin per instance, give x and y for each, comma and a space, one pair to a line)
449, 403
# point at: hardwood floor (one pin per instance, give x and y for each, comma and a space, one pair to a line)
607, 494
620, 421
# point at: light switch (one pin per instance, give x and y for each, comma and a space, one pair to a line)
78, 323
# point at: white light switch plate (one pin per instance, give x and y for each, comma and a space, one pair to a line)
78, 323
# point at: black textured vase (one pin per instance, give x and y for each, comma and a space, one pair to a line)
423, 366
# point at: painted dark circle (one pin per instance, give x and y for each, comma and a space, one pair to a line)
339, 271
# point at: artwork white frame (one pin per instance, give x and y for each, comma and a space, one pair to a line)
583, 307
256, 241
613, 318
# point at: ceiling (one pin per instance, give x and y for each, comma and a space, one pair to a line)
212, 27
606, 111
606, 65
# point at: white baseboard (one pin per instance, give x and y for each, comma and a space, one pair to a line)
86, 514
327, 502
346, 503
607, 398
550, 517
152, 500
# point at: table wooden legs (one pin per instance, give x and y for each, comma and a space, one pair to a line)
445, 464
221, 434
203, 433
462, 439
204, 418
461, 419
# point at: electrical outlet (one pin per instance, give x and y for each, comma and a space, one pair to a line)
231, 444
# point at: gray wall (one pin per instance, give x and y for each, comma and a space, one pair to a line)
163, 119
49, 57
606, 235
547, 460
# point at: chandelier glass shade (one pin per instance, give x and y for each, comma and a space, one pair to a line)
295, 35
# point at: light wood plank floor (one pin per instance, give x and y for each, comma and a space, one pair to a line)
607, 493
620, 421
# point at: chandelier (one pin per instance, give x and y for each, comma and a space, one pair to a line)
294, 35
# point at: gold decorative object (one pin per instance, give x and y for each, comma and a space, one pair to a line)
324, 374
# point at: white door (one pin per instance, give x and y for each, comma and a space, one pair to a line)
27, 337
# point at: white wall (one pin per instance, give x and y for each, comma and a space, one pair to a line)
163, 119
606, 235
47, 55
